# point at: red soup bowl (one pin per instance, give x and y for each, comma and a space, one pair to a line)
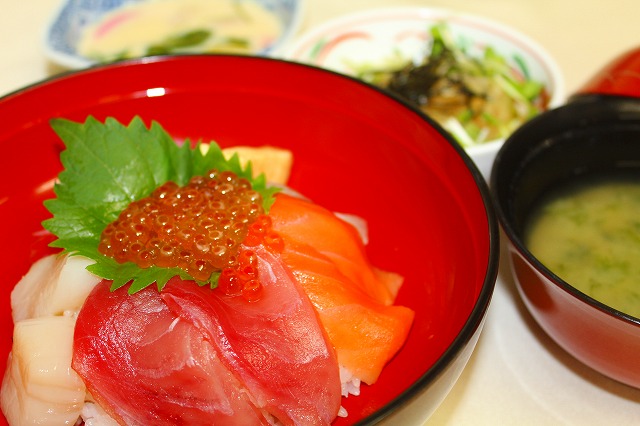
590, 136
356, 150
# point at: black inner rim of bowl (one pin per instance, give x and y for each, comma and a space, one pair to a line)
571, 156
561, 146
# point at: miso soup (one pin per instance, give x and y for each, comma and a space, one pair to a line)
588, 233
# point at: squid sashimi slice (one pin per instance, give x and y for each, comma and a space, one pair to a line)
276, 346
39, 386
299, 220
54, 285
191, 355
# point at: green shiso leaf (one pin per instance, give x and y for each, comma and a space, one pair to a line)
106, 166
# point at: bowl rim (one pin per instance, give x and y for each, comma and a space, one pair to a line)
75, 61
514, 237
475, 320
293, 49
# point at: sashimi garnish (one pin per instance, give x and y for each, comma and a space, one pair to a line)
109, 166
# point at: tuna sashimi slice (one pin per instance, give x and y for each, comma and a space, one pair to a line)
193, 356
145, 366
276, 345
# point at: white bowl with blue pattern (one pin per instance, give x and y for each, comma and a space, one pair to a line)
66, 27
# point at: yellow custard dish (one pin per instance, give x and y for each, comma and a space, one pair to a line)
180, 26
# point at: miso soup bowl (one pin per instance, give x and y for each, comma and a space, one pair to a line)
591, 134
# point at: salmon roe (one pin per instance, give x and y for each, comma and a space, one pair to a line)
198, 228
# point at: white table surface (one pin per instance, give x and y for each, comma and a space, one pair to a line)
517, 375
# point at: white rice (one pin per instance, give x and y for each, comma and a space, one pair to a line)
93, 415
350, 384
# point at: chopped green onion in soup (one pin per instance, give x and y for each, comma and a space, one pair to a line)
588, 234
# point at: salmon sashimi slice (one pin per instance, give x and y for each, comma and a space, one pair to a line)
192, 355
365, 331
302, 221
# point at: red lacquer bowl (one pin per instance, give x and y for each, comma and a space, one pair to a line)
356, 150
621, 76
594, 134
